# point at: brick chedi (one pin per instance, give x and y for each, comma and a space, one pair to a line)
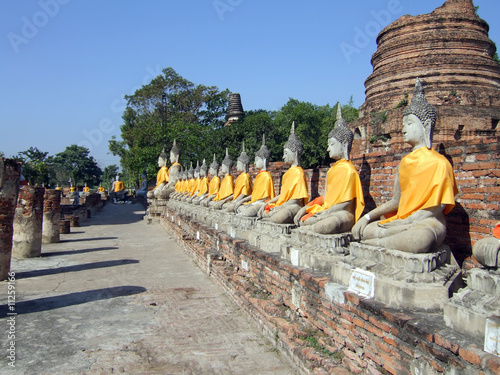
234, 109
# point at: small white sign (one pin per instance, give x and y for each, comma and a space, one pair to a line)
491, 336
294, 257
244, 265
179, 223
216, 226
172, 219
197, 234
362, 282
232, 233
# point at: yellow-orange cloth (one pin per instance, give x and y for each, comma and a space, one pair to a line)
203, 188
86, 189
162, 176
214, 186
293, 186
195, 187
243, 185
263, 187
72, 189
100, 190
185, 186
177, 185
58, 188
496, 231
119, 186
426, 180
190, 185
226, 188
342, 185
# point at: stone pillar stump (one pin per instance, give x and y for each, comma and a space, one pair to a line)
28, 223
10, 171
51, 216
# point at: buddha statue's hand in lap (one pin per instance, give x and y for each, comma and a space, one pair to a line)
293, 192
424, 190
343, 202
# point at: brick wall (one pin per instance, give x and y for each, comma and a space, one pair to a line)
321, 333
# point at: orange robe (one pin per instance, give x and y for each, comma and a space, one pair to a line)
119, 186
214, 186
203, 188
263, 187
226, 188
293, 186
100, 190
243, 185
426, 180
195, 187
342, 185
86, 189
162, 176
190, 184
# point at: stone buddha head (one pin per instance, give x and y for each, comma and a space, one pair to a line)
243, 161
227, 164
175, 153
340, 138
292, 150
419, 119
190, 172
214, 168
197, 170
162, 159
203, 169
262, 156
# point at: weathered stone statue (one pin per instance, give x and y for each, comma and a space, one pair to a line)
99, 190
180, 185
203, 187
143, 191
190, 181
343, 203
227, 185
161, 177
294, 193
196, 186
263, 186
118, 189
424, 190
214, 186
86, 189
243, 184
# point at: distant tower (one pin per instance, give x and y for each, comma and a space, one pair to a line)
234, 109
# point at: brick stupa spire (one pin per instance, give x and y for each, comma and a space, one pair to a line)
234, 109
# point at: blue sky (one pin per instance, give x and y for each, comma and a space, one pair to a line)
66, 64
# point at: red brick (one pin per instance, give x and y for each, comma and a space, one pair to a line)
471, 355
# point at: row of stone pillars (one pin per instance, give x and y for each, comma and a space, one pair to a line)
28, 216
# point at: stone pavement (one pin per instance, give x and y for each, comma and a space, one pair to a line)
119, 296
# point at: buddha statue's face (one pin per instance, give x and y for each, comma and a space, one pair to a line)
335, 149
288, 156
413, 130
225, 169
259, 162
203, 172
196, 174
240, 167
173, 157
161, 162
213, 171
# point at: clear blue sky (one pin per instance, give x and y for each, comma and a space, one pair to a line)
66, 64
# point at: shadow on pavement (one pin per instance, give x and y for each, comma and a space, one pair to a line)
82, 251
75, 268
114, 214
88, 239
71, 299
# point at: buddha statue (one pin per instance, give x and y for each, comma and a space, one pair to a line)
294, 193
227, 184
214, 185
100, 189
243, 183
263, 186
173, 172
196, 186
143, 191
118, 189
189, 183
86, 189
424, 190
58, 187
161, 177
343, 203
204, 184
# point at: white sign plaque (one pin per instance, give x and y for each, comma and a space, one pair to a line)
362, 282
197, 234
216, 226
244, 265
491, 336
294, 257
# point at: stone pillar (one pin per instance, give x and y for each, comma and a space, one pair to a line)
10, 171
28, 223
51, 216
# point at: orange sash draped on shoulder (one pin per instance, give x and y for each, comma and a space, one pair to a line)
226, 188
293, 186
162, 176
243, 185
214, 186
119, 186
426, 180
195, 187
203, 187
342, 185
263, 187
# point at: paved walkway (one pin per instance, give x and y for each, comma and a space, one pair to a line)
119, 296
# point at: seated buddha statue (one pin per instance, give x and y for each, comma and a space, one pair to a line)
143, 191
227, 184
189, 184
179, 185
214, 185
487, 250
424, 190
263, 186
243, 183
204, 184
86, 189
196, 186
100, 189
173, 172
343, 203
294, 193
161, 177
118, 189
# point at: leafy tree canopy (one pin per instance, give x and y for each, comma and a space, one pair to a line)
75, 163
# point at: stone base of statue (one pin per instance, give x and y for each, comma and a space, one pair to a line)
315, 251
156, 207
240, 226
470, 308
270, 237
397, 278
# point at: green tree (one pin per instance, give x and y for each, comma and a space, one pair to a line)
108, 175
76, 163
35, 167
